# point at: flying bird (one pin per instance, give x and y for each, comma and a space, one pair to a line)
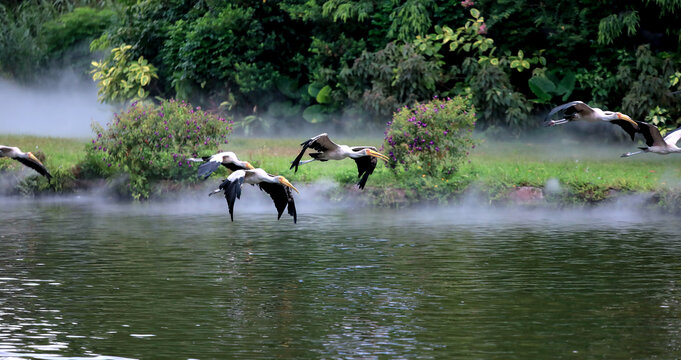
227, 159
277, 186
364, 156
577, 110
656, 143
26, 158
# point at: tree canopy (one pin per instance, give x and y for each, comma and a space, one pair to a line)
350, 61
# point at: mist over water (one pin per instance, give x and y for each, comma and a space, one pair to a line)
316, 201
63, 105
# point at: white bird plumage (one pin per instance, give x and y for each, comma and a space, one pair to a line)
227, 159
656, 143
364, 156
278, 187
578, 110
26, 158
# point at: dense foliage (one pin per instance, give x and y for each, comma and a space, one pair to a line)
330, 61
153, 142
430, 139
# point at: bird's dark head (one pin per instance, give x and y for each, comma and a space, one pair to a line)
375, 154
282, 180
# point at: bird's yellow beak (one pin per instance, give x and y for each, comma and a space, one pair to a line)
627, 118
32, 157
377, 155
287, 183
249, 166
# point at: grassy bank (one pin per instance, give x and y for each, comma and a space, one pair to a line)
583, 173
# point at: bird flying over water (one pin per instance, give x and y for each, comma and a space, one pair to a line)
656, 143
577, 110
227, 159
277, 187
26, 158
364, 156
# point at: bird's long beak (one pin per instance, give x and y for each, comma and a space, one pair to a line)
249, 166
627, 118
214, 192
377, 155
287, 183
32, 157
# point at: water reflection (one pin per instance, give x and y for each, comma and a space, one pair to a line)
94, 280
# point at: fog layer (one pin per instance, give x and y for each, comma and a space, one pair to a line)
63, 105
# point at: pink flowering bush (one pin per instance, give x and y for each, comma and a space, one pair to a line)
153, 142
430, 139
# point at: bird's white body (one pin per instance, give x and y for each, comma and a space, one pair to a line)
664, 150
277, 187
657, 144
364, 156
600, 115
11, 152
255, 176
26, 158
339, 153
578, 110
227, 159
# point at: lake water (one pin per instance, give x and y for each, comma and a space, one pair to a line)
87, 278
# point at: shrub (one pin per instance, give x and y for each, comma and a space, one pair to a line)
120, 78
150, 142
432, 139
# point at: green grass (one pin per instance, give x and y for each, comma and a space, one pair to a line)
533, 164
59, 152
588, 172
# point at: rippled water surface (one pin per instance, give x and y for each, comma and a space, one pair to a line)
81, 279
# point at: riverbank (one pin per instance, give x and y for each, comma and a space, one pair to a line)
531, 173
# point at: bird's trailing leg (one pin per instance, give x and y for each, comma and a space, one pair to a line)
631, 153
555, 122
305, 161
214, 192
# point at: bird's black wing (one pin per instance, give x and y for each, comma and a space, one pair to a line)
320, 142
569, 109
365, 165
233, 166
40, 168
208, 168
282, 197
627, 126
232, 188
651, 134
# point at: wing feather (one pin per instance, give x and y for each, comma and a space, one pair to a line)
232, 189
571, 108
207, 168
282, 197
673, 137
40, 168
365, 167
651, 134
627, 126
320, 142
